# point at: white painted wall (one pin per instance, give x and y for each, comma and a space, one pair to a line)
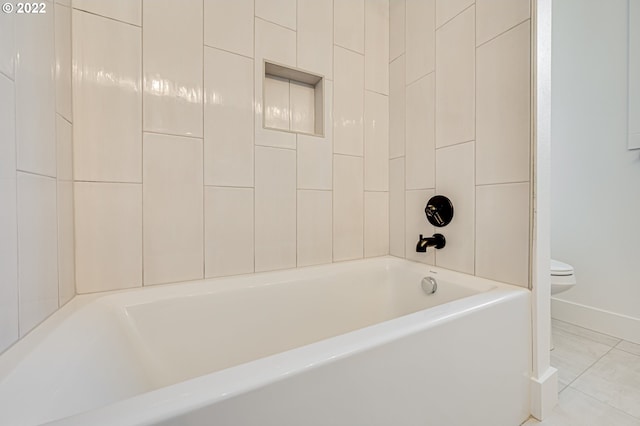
595, 179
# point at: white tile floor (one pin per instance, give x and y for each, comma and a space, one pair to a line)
598, 379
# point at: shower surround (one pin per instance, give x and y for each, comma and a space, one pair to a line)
161, 141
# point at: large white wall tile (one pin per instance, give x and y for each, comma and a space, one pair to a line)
228, 236
64, 149
315, 161
420, 133
281, 12
172, 63
376, 224
63, 60
275, 209
504, 108
107, 54
348, 208
7, 128
397, 90
455, 179
315, 229
396, 28
108, 236
7, 45
173, 222
122, 10
315, 36
228, 119
396, 207
348, 24
420, 38
495, 16
447, 9
66, 248
315, 153
376, 142
348, 105
37, 249
455, 85
302, 103
277, 44
416, 223
8, 262
228, 25
502, 233
35, 93
376, 57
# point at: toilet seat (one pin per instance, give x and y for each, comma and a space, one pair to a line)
560, 269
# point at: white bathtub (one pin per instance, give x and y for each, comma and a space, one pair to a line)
355, 343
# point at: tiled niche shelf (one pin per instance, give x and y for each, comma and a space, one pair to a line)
293, 100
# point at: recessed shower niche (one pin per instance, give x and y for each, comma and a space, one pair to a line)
293, 100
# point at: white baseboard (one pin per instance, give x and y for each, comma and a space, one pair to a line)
544, 394
611, 323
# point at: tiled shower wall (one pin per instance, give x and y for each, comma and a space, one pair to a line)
175, 176
460, 126
36, 180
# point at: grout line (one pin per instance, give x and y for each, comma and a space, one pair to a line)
418, 79
624, 350
584, 333
349, 155
64, 118
73, 157
454, 144
404, 162
173, 134
501, 183
604, 402
589, 368
253, 133
27, 172
55, 137
364, 132
376, 92
455, 16
271, 22
313, 189
348, 49
110, 18
15, 173
207, 46
142, 68
204, 188
475, 137
503, 32
290, 126
395, 59
228, 186
106, 182
277, 147
13, 80
435, 118
333, 143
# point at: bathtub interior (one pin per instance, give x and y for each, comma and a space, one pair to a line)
189, 336
100, 350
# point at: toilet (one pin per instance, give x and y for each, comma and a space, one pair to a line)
562, 277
